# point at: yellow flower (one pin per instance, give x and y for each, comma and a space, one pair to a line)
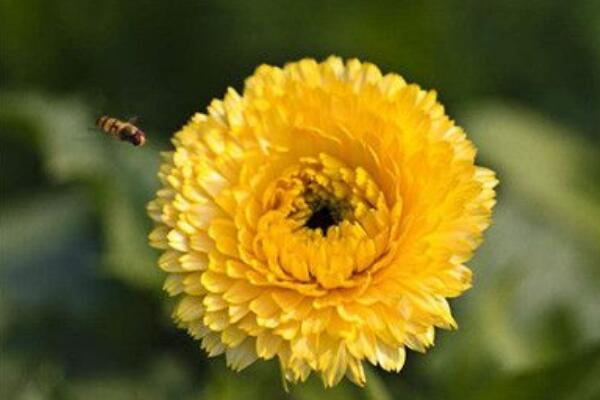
323, 217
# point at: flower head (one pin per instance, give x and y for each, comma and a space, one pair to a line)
323, 217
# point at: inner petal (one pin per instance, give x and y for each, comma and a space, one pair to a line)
322, 225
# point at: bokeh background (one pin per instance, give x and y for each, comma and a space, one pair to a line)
82, 315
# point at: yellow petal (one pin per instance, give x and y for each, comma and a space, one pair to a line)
241, 356
216, 282
267, 345
189, 309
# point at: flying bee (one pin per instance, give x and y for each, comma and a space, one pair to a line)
125, 131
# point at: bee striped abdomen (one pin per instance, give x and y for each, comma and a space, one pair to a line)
121, 130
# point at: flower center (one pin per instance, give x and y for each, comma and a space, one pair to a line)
321, 208
322, 218
322, 223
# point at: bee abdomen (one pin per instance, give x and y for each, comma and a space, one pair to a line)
118, 129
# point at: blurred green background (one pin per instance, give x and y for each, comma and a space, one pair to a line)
82, 315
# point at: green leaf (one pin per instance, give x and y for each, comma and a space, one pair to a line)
40, 223
573, 378
119, 179
534, 298
546, 164
126, 226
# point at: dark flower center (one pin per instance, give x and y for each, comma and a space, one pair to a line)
322, 218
